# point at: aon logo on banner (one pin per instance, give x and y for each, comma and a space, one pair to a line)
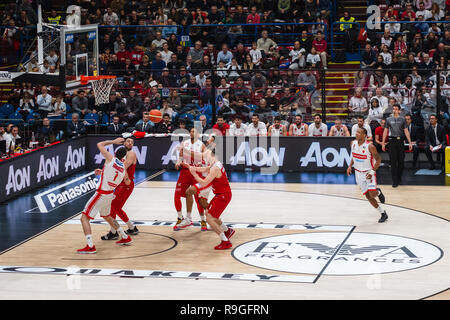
257, 156
76, 158
329, 157
18, 179
48, 168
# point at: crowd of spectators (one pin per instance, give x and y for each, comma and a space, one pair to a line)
400, 63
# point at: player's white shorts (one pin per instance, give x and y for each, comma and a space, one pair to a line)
98, 203
203, 192
366, 184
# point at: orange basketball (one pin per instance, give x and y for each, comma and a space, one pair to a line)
155, 116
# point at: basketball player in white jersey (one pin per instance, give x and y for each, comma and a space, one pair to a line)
256, 127
202, 192
188, 155
317, 128
339, 130
238, 129
113, 173
277, 129
363, 155
298, 128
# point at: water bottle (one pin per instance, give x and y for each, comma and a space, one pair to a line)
32, 140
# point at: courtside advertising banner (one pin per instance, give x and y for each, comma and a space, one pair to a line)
269, 154
29, 171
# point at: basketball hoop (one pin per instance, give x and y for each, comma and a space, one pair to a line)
101, 85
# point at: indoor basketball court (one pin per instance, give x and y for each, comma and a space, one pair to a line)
304, 241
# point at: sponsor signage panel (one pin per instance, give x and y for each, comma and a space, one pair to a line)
40, 167
328, 154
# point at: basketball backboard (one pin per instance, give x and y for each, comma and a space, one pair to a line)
79, 53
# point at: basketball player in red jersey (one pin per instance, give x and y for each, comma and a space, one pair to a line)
197, 191
112, 175
217, 177
187, 151
122, 193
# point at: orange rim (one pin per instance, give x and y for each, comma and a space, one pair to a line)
85, 79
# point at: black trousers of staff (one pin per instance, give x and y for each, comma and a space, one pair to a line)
397, 158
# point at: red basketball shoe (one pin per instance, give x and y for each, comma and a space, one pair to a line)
229, 233
88, 250
125, 242
223, 245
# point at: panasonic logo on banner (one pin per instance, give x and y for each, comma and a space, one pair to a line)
250, 156
67, 192
323, 159
140, 154
18, 179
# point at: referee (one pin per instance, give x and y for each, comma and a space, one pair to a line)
397, 129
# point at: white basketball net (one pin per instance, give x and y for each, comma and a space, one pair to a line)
102, 89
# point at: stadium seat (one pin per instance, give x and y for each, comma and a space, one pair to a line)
7, 109
105, 120
15, 118
91, 119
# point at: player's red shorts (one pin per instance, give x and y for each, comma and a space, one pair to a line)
122, 193
218, 204
185, 180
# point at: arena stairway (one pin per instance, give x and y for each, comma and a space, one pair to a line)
339, 83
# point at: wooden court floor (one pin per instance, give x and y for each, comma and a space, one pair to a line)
264, 215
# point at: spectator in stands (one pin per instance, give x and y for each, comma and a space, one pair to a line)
11, 138
44, 102
204, 125
80, 103
110, 18
375, 111
46, 133
166, 54
436, 142
225, 55
159, 41
240, 90
145, 125
313, 59
166, 125
123, 54
59, 106
369, 57
196, 53
221, 127
26, 105
116, 127
307, 80
383, 101
358, 103
258, 82
436, 12
362, 79
317, 128
426, 67
349, 30
320, 44
264, 43
158, 65
256, 127
297, 56
75, 128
